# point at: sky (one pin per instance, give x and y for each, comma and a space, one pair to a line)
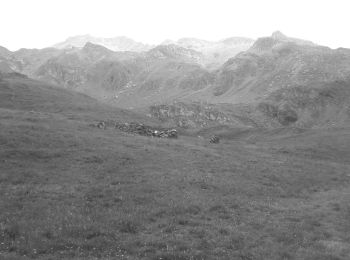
42, 23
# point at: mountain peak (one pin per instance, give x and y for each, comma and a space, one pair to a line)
4, 51
237, 41
277, 38
277, 35
90, 45
95, 51
120, 43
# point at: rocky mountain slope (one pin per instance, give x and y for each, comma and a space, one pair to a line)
25, 61
38, 99
141, 76
278, 81
70, 60
6, 63
308, 82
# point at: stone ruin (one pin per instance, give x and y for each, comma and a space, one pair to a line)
140, 129
145, 130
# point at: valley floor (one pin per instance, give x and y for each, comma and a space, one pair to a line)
72, 191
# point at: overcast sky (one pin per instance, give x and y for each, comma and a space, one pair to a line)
42, 23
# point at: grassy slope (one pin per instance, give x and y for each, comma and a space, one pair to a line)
70, 191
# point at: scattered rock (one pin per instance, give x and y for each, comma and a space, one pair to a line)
101, 125
214, 139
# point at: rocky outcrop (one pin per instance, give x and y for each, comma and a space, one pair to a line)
191, 114
284, 115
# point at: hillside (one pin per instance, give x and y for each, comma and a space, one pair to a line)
69, 190
24, 95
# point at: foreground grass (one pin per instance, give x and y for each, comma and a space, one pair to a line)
70, 191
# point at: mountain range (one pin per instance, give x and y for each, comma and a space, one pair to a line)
273, 81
